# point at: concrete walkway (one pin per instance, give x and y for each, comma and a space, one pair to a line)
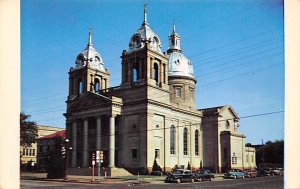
88, 179
142, 179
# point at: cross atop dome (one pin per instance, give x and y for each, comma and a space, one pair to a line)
145, 14
174, 40
143, 36
89, 57
90, 37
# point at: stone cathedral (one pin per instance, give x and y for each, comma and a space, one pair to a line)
151, 116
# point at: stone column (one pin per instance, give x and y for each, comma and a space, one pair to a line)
112, 141
74, 144
98, 134
85, 144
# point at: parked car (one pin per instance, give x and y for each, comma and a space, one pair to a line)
234, 173
278, 171
203, 174
268, 172
180, 175
250, 174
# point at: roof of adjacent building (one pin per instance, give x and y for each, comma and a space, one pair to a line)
46, 130
57, 134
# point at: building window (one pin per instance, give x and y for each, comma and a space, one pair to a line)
234, 159
155, 72
227, 124
134, 153
30, 152
197, 142
97, 85
157, 154
23, 152
33, 152
247, 158
164, 72
26, 152
178, 91
185, 141
191, 93
80, 87
172, 140
252, 158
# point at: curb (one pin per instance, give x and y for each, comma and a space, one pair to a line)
102, 181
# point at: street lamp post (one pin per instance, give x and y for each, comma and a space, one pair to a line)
66, 157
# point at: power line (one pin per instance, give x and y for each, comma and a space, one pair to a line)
153, 93
199, 124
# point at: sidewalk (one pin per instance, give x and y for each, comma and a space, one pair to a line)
88, 179
142, 179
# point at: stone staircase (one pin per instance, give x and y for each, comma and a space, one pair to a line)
112, 172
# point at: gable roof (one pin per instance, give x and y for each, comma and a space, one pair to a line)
219, 110
53, 135
228, 107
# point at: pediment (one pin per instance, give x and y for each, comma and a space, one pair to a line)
89, 100
227, 109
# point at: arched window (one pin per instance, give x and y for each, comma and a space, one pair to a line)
227, 124
97, 85
80, 86
155, 72
155, 43
185, 141
196, 142
135, 74
172, 140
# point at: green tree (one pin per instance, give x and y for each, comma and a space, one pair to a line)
155, 166
271, 153
28, 130
189, 166
56, 161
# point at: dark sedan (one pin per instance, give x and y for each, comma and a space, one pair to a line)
202, 175
180, 175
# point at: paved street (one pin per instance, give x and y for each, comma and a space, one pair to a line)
256, 183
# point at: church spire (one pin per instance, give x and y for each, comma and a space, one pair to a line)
90, 37
174, 27
145, 14
174, 41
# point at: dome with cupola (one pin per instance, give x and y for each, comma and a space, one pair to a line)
89, 57
143, 36
179, 64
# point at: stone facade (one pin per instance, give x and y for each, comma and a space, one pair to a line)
151, 116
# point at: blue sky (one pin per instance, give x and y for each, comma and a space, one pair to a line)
237, 49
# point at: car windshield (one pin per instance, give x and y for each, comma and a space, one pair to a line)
177, 172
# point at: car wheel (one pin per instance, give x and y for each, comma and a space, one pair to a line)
178, 181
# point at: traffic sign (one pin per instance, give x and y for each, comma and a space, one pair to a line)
97, 156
